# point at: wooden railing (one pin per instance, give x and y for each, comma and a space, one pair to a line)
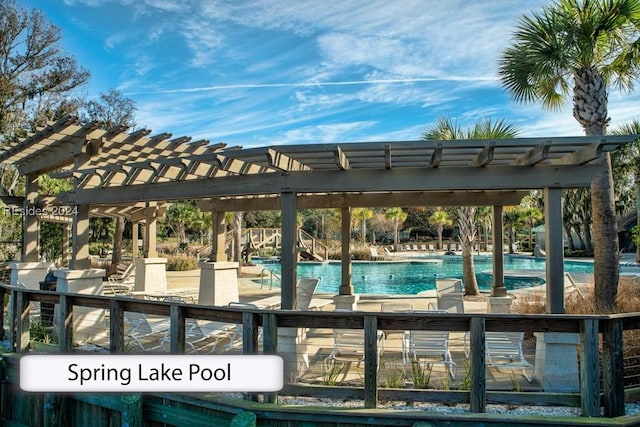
592, 356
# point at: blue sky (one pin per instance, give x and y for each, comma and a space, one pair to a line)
270, 72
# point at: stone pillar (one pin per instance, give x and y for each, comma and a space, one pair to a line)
29, 273
30, 222
218, 283
556, 367
89, 324
151, 274
346, 302
80, 239
499, 304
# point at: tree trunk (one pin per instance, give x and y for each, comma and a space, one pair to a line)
590, 102
237, 236
467, 237
116, 257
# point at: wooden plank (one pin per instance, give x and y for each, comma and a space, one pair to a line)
370, 361
613, 367
340, 158
52, 410
23, 322
533, 156
250, 342
478, 393
65, 322
116, 327
177, 329
484, 157
589, 369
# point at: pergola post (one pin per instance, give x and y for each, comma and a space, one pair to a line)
150, 230
498, 302
218, 240
556, 353
135, 239
554, 247
31, 226
289, 254
346, 299
80, 239
66, 242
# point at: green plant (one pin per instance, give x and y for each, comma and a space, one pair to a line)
515, 382
465, 383
42, 332
331, 373
393, 375
181, 262
420, 375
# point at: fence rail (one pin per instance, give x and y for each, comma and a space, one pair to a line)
600, 358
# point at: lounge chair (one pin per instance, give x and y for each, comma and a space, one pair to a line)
373, 252
504, 350
432, 249
349, 344
431, 346
449, 294
148, 336
236, 338
201, 332
121, 282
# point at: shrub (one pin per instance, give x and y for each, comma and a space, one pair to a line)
181, 262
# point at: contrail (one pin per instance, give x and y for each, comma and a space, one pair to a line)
317, 84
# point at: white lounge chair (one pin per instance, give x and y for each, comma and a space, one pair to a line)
504, 350
449, 294
430, 346
148, 336
200, 332
236, 338
348, 344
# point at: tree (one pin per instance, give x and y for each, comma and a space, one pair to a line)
37, 79
448, 129
361, 215
35, 74
440, 219
585, 45
180, 216
397, 216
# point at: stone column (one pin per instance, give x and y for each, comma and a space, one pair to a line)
219, 237
151, 271
218, 283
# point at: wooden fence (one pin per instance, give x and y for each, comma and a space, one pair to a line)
600, 349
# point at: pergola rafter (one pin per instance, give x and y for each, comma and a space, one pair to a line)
111, 168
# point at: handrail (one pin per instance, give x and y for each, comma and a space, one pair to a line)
271, 276
589, 327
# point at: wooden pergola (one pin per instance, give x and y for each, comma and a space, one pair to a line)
133, 174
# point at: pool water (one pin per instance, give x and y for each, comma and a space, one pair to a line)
412, 277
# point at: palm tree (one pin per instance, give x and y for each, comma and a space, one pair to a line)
447, 129
396, 216
361, 215
626, 160
440, 219
588, 44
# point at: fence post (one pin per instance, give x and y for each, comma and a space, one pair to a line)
478, 392
22, 318
613, 367
177, 333
249, 342
116, 327
64, 323
270, 345
53, 411
370, 361
3, 291
589, 368
131, 410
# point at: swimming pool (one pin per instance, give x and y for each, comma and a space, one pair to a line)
411, 277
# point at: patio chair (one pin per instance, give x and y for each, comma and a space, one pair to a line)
349, 344
431, 346
504, 350
449, 294
432, 248
373, 252
236, 338
143, 333
201, 332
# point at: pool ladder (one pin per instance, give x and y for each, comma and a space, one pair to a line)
271, 276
